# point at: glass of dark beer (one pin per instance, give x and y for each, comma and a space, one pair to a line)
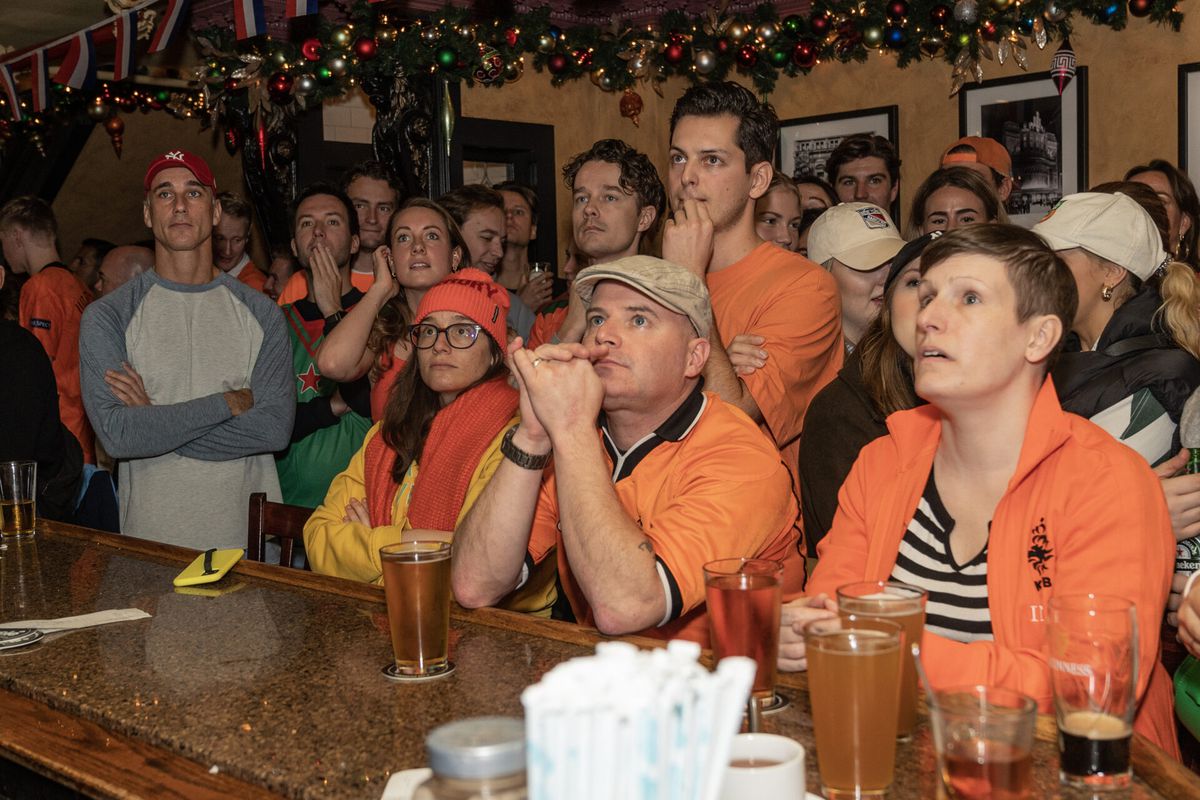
416, 582
1094, 672
983, 736
745, 601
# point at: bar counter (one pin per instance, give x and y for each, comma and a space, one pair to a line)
268, 684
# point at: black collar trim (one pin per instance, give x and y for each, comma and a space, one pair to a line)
674, 428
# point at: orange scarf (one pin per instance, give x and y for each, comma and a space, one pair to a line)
458, 438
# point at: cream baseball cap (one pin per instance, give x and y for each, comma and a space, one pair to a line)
665, 282
1112, 226
860, 235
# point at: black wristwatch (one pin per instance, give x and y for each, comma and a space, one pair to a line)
333, 319
519, 456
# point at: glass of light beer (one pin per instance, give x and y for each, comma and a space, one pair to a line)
745, 600
905, 606
416, 581
1094, 672
18, 490
854, 692
983, 737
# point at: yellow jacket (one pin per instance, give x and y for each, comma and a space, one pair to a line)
351, 549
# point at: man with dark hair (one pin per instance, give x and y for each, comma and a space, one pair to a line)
985, 156
479, 212
185, 375
52, 302
520, 228
231, 239
371, 187
864, 168
86, 263
281, 269
776, 312
327, 431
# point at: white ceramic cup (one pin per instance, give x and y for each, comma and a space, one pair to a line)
782, 779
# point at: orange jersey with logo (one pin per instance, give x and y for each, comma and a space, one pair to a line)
1082, 513
706, 485
52, 304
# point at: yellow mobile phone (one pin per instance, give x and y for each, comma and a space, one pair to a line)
209, 566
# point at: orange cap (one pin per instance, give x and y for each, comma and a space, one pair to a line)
986, 151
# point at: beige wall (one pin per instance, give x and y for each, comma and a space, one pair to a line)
102, 197
1132, 102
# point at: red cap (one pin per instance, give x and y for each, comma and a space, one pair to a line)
472, 293
181, 158
988, 152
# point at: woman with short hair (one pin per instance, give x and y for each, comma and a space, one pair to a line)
950, 198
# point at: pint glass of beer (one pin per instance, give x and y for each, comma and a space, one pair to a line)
1094, 671
18, 490
745, 600
416, 581
905, 606
854, 692
983, 736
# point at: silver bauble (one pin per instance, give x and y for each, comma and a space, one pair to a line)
706, 61
967, 11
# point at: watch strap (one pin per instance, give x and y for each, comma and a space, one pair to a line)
519, 456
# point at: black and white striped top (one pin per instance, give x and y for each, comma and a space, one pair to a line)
957, 605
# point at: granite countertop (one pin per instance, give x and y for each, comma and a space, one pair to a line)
279, 685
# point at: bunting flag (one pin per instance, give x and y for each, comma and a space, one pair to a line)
249, 18
171, 21
40, 80
78, 69
126, 25
301, 8
10, 91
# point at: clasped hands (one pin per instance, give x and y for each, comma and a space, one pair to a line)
561, 392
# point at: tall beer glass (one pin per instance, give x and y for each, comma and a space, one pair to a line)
18, 492
854, 691
416, 581
905, 606
1094, 671
745, 601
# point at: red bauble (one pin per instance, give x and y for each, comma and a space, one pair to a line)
510, 36
673, 54
631, 105
897, 9
231, 84
557, 63
747, 56
280, 86
1140, 8
116, 130
820, 24
365, 48
311, 49
723, 45
938, 15
805, 54
989, 31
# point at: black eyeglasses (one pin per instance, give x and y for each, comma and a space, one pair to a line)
460, 335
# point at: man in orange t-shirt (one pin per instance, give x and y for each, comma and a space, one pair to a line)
675, 477
52, 303
777, 314
230, 239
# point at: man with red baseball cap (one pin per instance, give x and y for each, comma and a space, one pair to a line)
186, 374
987, 157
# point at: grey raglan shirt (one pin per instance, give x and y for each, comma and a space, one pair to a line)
188, 466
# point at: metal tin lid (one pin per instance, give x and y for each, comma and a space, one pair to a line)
480, 747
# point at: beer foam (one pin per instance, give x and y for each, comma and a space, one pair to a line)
1095, 725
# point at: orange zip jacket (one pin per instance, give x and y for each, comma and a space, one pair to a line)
1082, 513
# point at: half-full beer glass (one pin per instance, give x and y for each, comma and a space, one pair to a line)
1094, 671
416, 581
18, 490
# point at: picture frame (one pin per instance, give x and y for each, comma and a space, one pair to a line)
1045, 132
1189, 120
806, 142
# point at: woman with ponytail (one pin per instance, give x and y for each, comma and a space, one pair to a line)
423, 466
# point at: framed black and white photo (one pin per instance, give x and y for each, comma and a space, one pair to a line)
1045, 133
1189, 120
806, 142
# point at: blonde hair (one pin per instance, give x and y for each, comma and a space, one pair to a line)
1180, 309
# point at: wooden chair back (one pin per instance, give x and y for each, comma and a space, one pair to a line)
274, 519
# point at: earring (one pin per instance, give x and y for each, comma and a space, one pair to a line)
1106, 293
1181, 249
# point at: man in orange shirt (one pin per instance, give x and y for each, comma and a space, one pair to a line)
231, 238
674, 478
777, 314
52, 302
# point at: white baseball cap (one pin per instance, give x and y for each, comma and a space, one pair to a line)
860, 235
1112, 226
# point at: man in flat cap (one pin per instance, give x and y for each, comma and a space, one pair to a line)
674, 477
186, 375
